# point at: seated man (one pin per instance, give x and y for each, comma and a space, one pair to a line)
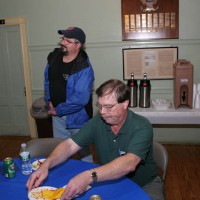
123, 143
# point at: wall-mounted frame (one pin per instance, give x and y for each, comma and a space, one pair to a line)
150, 19
156, 62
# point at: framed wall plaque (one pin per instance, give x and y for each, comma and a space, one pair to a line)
150, 19
157, 63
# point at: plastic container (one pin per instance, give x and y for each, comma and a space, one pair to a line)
25, 160
161, 104
39, 111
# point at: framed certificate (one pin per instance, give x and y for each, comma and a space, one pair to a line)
157, 63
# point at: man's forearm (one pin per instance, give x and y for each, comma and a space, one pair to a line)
117, 168
61, 153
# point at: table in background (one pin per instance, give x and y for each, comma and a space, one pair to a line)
121, 189
171, 116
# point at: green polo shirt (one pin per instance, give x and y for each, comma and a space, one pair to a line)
135, 136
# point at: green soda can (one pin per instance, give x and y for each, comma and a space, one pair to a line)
9, 167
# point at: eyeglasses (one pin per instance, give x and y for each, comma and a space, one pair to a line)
106, 107
67, 41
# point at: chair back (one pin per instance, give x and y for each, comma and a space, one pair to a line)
42, 147
160, 156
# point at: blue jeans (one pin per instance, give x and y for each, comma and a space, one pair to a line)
59, 128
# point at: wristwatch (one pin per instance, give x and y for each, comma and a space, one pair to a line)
94, 176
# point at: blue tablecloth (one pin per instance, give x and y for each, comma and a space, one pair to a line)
122, 189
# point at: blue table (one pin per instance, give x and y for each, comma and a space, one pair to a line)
121, 189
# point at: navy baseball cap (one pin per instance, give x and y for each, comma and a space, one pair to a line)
74, 32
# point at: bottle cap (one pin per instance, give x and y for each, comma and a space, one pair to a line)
23, 145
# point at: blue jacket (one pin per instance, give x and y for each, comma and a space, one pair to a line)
78, 93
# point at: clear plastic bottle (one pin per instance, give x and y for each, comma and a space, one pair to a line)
25, 160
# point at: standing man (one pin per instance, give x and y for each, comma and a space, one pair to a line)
124, 144
68, 84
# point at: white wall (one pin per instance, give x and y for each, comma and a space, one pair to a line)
101, 21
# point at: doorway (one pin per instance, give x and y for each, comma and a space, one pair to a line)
15, 87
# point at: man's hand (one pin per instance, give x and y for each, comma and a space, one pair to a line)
52, 110
77, 185
37, 178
